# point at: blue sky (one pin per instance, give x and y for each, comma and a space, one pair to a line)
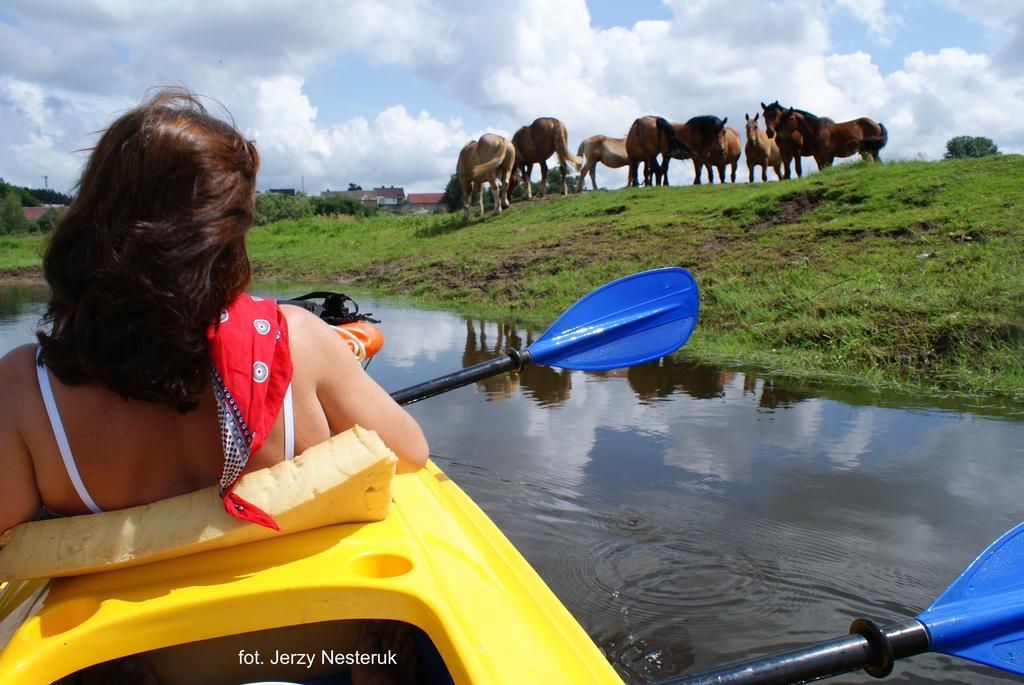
387, 93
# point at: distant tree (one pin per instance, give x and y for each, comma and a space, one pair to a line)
555, 181
354, 186
12, 218
970, 146
47, 196
27, 199
452, 198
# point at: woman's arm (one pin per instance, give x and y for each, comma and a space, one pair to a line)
19, 494
347, 394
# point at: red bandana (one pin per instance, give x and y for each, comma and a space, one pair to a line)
252, 369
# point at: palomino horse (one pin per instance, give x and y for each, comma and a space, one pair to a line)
649, 137
730, 155
534, 144
704, 136
489, 159
761, 151
794, 146
608, 151
828, 140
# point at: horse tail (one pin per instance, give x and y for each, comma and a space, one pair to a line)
562, 150
877, 143
579, 151
486, 168
679, 149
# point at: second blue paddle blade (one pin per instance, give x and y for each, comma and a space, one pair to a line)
980, 616
629, 321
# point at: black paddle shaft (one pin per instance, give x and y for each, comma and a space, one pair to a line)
871, 648
513, 360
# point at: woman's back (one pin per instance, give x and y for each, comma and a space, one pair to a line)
131, 452
141, 266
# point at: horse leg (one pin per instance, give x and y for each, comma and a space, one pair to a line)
565, 175
505, 177
798, 163
663, 168
543, 179
593, 175
495, 192
634, 168
750, 172
480, 188
467, 195
697, 166
733, 175
583, 175
778, 172
527, 172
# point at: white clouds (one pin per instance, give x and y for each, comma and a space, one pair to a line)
872, 13
68, 67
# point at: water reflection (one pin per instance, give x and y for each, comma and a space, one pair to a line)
689, 514
652, 382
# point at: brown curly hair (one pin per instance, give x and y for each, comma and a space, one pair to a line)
150, 250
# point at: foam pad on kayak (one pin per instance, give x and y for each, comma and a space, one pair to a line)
346, 479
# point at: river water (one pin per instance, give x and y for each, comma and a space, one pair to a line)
690, 515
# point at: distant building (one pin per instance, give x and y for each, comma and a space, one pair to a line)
425, 203
389, 199
33, 213
283, 191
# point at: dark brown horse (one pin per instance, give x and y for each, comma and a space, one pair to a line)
649, 137
828, 140
706, 139
546, 136
793, 148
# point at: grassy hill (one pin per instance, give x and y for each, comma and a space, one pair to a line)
908, 273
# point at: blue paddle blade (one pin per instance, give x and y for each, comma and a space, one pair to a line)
980, 616
629, 321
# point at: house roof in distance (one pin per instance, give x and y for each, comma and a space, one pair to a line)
391, 192
425, 198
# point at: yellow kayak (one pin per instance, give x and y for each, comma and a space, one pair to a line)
225, 616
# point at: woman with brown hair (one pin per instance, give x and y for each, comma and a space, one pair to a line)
159, 376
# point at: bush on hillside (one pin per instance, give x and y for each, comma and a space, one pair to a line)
333, 205
271, 207
970, 146
48, 221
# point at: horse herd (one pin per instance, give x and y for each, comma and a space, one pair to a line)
789, 135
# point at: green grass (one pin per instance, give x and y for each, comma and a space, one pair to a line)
21, 252
903, 274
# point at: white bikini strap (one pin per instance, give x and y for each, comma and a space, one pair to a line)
61, 436
289, 425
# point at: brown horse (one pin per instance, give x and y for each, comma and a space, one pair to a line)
608, 151
489, 159
546, 136
794, 146
649, 137
729, 155
828, 140
761, 151
705, 136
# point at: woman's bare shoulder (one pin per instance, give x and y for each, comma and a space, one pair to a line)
17, 369
19, 495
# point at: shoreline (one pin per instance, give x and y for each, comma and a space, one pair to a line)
899, 275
